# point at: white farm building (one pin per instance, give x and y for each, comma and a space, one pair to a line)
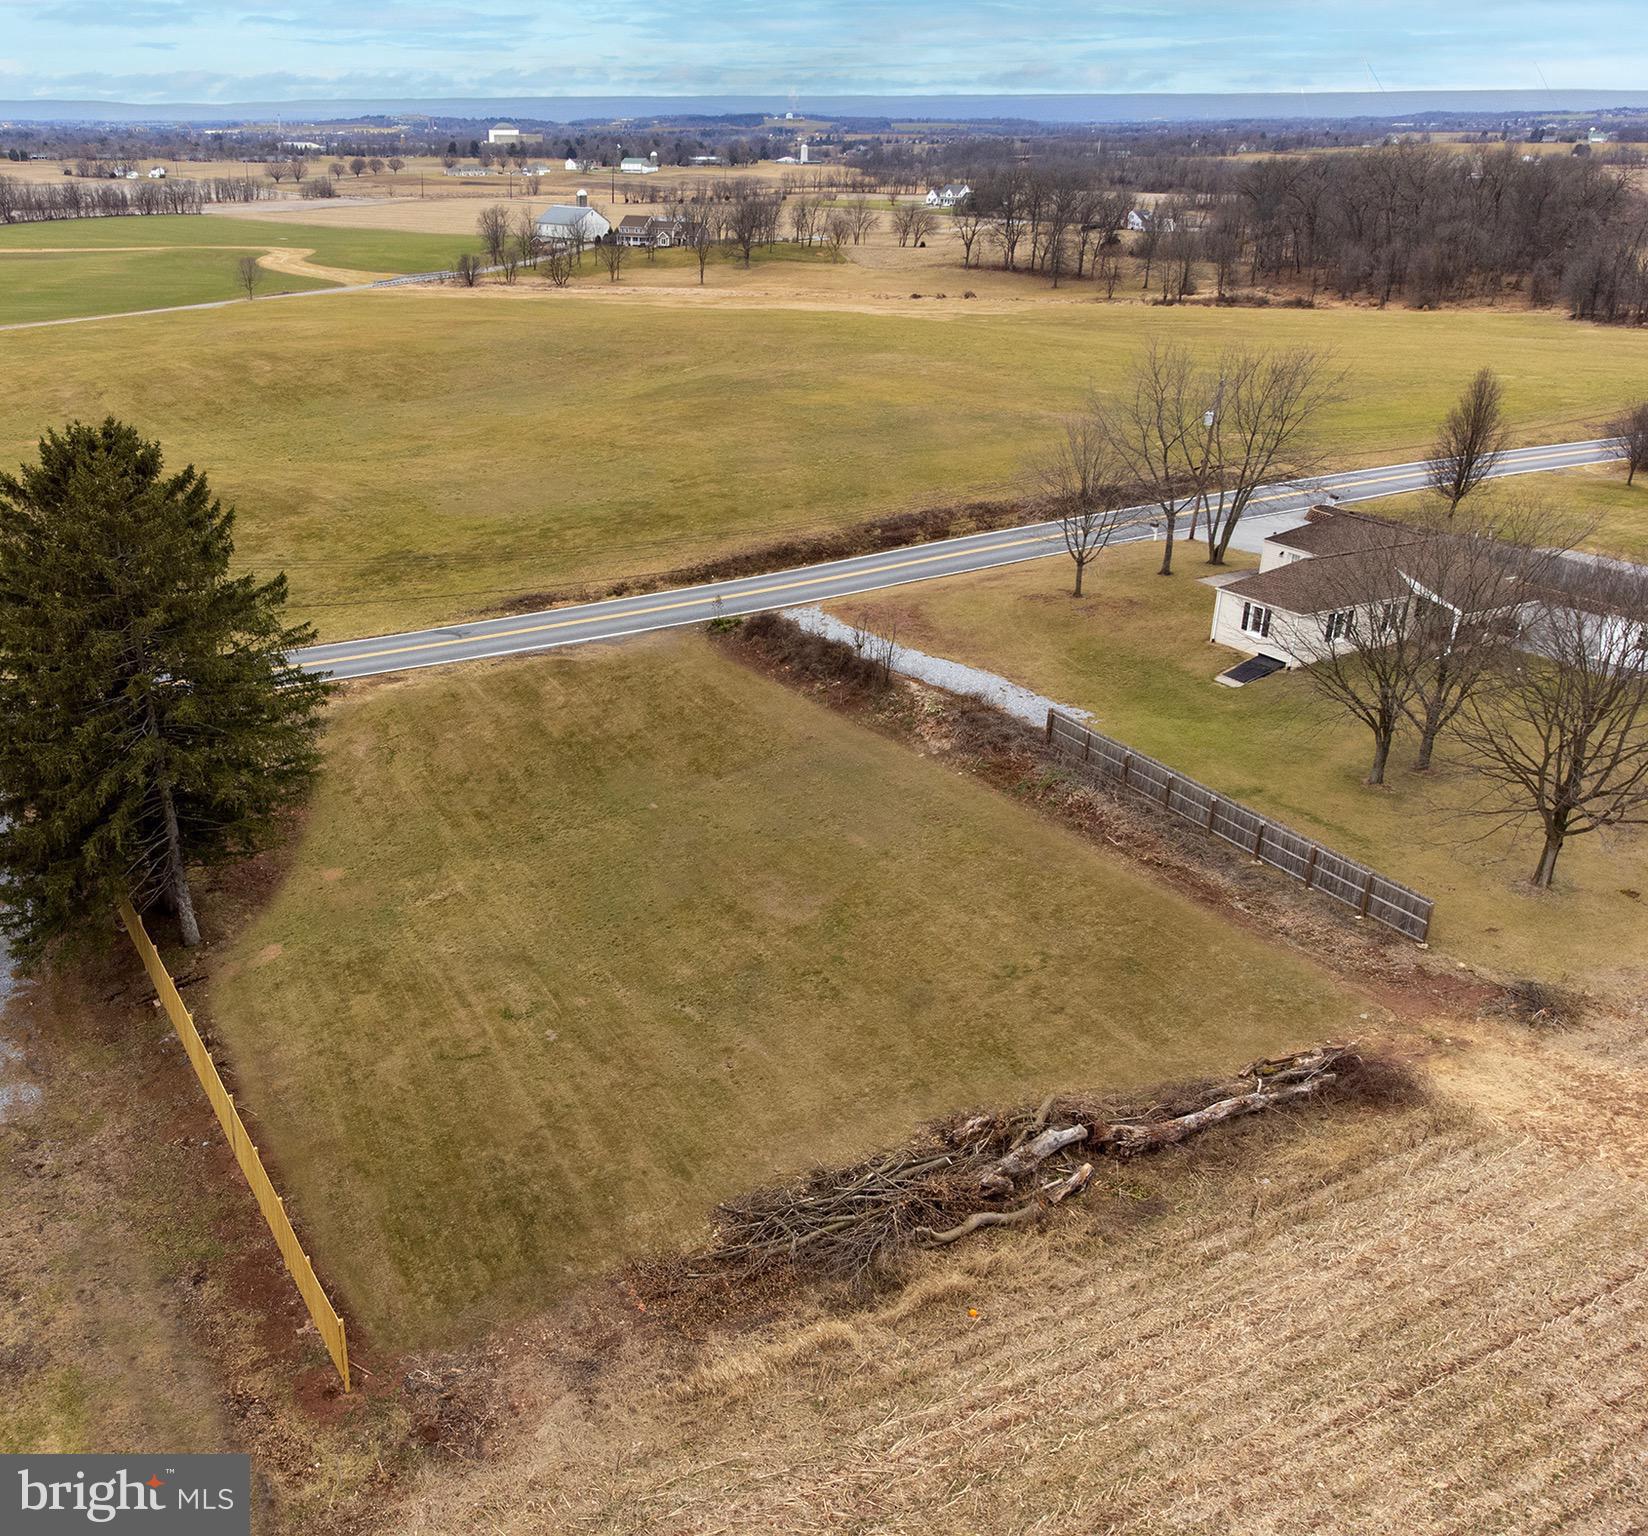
575, 223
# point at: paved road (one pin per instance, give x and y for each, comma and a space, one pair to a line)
1274, 510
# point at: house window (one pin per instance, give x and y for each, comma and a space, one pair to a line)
1336, 624
1256, 620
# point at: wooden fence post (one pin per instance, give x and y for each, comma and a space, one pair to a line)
1127, 762
1259, 841
1167, 791
1212, 810
1310, 866
1049, 727
1367, 896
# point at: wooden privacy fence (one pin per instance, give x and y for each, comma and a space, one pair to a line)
325, 1315
1321, 869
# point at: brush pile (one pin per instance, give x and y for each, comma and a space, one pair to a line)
978, 1171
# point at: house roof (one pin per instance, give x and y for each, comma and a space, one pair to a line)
635, 223
1339, 531
1321, 585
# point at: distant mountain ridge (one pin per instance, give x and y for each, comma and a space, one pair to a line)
1048, 109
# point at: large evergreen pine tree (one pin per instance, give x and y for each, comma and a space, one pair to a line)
152, 722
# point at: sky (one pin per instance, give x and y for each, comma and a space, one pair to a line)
151, 51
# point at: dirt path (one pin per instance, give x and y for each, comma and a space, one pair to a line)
294, 262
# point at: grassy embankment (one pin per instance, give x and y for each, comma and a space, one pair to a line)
412, 458
571, 950
1597, 494
1135, 651
71, 267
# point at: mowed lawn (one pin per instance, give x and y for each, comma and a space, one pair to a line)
1596, 498
412, 458
47, 285
73, 267
573, 948
1135, 651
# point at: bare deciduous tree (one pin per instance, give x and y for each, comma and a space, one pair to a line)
612, 252
968, 223
864, 219
467, 269
556, 262
1473, 577
1255, 427
1083, 479
357, 166
1149, 428
700, 229
492, 226
1474, 435
1629, 433
249, 272
1360, 642
1561, 737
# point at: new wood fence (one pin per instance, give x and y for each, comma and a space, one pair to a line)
325, 1315
1364, 890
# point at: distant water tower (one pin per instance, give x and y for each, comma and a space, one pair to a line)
803, 151
653, 157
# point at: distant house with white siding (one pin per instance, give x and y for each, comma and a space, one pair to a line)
947, 196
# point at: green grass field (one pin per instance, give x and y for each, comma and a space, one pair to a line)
410, 458
575, 947
1135, 651
74, 267
1597, 495
43, 285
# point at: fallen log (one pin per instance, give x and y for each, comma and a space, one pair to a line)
1127, 1138
1001, 1179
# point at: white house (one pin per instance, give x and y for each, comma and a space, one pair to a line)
1342, 576
948, 195
1141, 219
573, 223
157, 173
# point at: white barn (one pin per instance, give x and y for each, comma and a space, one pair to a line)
573, 223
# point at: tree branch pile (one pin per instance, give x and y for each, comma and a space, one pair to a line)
978, 1171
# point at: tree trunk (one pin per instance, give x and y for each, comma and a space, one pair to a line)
1081, 566
1427, 745
1167, 552
177, 881
1545, 873
1381, 755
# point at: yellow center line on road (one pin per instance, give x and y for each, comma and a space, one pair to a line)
781, 586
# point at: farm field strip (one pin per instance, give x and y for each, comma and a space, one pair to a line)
519, 445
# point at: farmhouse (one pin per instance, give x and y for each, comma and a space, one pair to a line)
948, 195
1327, 586
637, 165
157, 173
574, 223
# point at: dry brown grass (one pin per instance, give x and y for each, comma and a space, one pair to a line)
1359, 1321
